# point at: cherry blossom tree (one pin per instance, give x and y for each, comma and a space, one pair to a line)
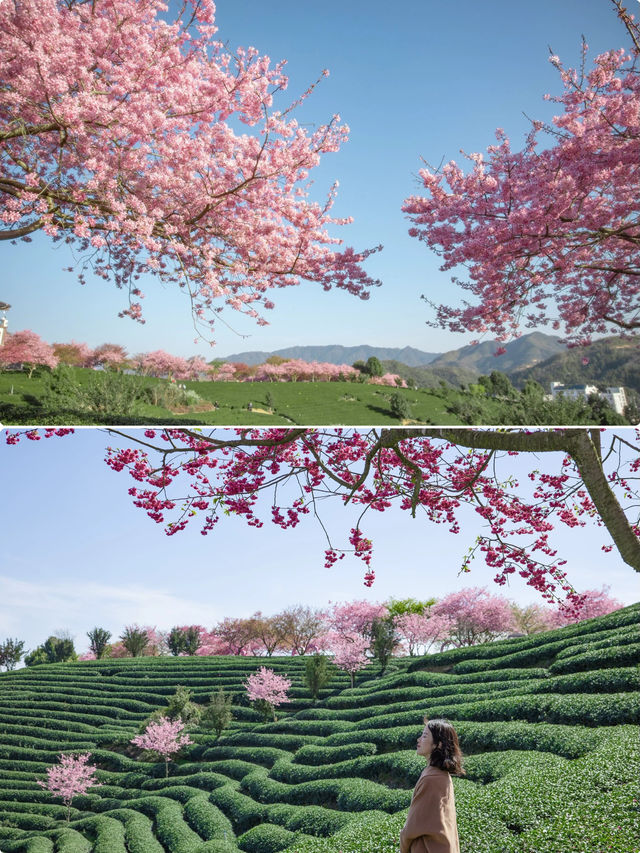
349, 652
27, 348
74, 353
196, 367
548, 235
355, 617
224, 373
475, 616
422, 630
164, 738
110, 356
268, 690
124, 143
71, 777
161, 363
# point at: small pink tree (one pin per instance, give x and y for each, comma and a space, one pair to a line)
349, 652
164, 738
72, 776
268, 690
476, 616
27, 348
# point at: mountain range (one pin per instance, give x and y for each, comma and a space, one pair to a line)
610, 361
336, 354
522, 353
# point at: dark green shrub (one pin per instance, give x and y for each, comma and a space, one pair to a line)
399, 406
265, 838
312, 820
207, 820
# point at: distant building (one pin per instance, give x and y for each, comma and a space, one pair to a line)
4, 306
614, 395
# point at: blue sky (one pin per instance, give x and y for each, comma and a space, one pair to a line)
75, 553
413, 79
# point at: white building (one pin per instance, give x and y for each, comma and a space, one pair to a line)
614, 395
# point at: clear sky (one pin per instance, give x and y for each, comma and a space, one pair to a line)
413, 79
75, 553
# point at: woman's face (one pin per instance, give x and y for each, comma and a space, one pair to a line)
425, 743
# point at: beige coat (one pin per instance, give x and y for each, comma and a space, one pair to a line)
431, 823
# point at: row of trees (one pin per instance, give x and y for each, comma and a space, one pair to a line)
28, 349
353, 633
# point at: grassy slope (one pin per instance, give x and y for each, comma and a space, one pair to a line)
546, 724
345, 403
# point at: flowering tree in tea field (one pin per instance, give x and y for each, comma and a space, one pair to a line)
72, 776
549, 235
349, 652
164, 738
474, 616
268, 690
123, 142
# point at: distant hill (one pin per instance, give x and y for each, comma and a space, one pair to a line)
336, 354
522, 353
611, 361
430, 377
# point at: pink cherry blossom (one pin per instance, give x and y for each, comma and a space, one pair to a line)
28, 349
548, 234
152, 147
474, 616
72, 776
267, 687
163, 737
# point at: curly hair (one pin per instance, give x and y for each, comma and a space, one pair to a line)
446, 753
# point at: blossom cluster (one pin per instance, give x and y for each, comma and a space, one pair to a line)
125, 143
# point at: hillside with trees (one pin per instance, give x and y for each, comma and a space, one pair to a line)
201, 754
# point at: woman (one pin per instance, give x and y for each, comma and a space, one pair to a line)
431, 823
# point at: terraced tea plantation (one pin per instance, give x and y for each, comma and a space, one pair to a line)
548, 725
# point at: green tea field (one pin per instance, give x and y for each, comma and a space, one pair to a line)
22, 401
547, 724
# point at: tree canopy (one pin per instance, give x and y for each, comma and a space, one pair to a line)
124, 142
548, 235
181, 475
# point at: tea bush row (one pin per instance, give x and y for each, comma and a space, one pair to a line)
138, 831
320, 755
344, 794
207, 820
618, 680
264, 755
598, 658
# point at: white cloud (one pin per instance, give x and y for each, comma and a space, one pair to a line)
32, 611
